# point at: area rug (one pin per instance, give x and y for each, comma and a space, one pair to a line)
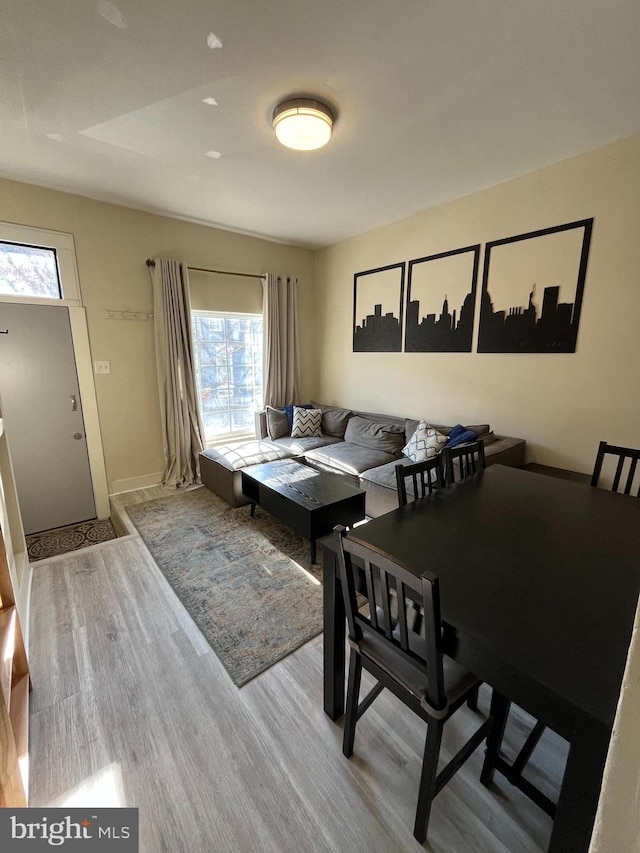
71, 538
246, 582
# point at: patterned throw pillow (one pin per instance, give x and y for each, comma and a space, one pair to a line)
425, 443
306, 423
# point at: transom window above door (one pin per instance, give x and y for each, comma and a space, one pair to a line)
38, 266
29, 271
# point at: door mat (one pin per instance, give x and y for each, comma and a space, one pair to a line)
50, 543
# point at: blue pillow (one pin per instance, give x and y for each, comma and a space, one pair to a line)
460, 435
289, 412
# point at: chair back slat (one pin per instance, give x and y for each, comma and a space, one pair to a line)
425, 654
371, 594
632, 474
616, 479
385, 594
402, 617
626, 456
470, 458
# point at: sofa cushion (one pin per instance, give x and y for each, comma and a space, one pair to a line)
385, 475
480, 429
334, 419
306, 423
299, 446
383, 437
235, 457
347, 457
488, 438
410, 426
277, 423
425, 443
381, 419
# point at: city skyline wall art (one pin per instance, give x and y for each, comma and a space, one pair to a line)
378, 297
532, 288
441, 298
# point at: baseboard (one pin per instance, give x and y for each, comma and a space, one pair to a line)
117, 487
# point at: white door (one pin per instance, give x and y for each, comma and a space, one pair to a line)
43, 414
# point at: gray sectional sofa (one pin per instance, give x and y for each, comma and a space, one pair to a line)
363, 446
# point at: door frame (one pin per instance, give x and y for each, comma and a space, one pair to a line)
92, 431
65, 249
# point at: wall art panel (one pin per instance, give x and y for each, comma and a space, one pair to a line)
532, 290
377, 309
441, 296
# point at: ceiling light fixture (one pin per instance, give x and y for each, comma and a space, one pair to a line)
303, 123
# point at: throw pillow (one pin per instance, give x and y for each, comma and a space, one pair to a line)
334, 420
289, 411
306, 423
461, 435
425, 443
277, 423
386, 437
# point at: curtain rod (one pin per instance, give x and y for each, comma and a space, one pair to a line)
152, 263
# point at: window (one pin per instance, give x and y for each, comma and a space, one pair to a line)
228, 364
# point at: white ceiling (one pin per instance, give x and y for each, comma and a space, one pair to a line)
435, 99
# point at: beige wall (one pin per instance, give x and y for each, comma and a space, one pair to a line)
112, 244
562, 404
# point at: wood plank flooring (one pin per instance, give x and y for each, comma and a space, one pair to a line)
131, 707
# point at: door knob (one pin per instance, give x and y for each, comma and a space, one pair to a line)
77, 435
74, 403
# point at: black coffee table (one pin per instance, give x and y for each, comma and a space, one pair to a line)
310, 502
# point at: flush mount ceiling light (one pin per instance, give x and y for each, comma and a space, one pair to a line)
303, 123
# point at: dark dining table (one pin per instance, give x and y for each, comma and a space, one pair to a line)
539, 582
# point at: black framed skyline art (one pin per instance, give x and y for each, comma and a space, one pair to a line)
532, 287
441, 297
378, 296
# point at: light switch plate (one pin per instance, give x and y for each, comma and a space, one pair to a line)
102, 366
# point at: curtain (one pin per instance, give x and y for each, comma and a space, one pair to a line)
181, 423
280, 336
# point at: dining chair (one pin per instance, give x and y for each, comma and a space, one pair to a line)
622, 454
412, 667
424, 477
463, 460
626, 482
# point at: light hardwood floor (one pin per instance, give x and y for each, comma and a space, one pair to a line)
131, 707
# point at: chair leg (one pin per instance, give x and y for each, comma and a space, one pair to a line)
426, 792
529, 745
499, 712
351, 711
472, 701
